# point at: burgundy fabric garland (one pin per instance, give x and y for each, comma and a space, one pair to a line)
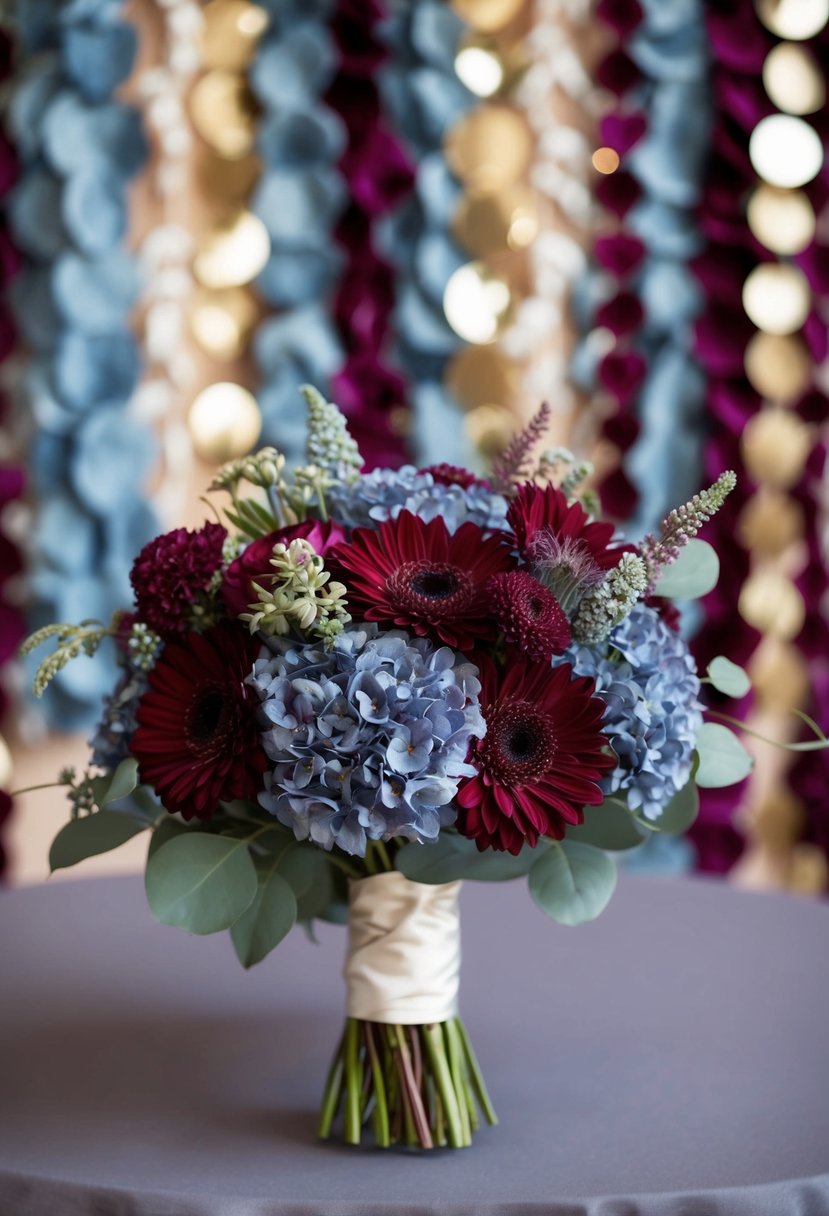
379, 177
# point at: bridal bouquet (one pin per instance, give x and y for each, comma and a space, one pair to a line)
361, 689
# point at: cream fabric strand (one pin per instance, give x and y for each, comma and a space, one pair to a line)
404, 950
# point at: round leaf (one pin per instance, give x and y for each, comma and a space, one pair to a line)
451, 857
728, 678
572, 883
269, 918
678, 815
609, 826
168, 828
124, 780
694, 573
90, 835
722, 758
200, 882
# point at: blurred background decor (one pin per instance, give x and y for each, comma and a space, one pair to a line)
440, 213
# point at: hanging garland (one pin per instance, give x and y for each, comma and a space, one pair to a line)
300, 198
424, 98
642, 299
379, 179
68, 215
12, 477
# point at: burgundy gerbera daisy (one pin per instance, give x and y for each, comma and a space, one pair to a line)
417, 575
197, 739
454, 475
540, 516
529, 615
172, 573
540, 761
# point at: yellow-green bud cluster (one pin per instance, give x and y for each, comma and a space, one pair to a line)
143, 646
301, 596
611, 601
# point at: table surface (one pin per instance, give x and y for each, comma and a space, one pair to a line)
679, 1045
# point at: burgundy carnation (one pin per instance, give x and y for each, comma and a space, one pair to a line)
417, 575
454, 475
172, 573
251, 566
529, 615
197, 740
540, 761
542, 518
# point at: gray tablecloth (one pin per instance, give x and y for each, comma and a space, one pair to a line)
671, 1059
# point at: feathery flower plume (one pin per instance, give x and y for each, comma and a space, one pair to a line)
683, 523
514, 462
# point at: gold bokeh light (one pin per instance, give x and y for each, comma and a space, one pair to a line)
224, 111
793, 80
476, 303
776, 445
480, 69
777, 298
490, 148
795, 19
778, 366
222, 322
605, 160
785, 151
224, 422
782, 220
230, 33
233, 254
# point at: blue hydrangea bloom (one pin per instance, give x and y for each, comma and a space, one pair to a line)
111, 741
384, 493
368, 739
647, 676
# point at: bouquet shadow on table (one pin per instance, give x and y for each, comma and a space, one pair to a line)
360, 690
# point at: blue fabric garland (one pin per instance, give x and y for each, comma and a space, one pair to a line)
670, 48
299, 198
72, 304
424, 98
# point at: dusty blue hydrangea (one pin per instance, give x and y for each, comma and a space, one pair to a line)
368, 739
384, 493
113, 734
648, 678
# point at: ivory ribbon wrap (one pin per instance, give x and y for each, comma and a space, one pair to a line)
404, 950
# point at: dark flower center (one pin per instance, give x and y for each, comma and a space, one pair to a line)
430, 588
520, 742
207, 717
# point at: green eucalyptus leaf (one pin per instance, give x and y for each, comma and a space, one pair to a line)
90, 835
694, 573
728, 677
609, 826
572, 883
722, 758
269, 918
678, 815
168, 828
451, 857
200, 882
123, 782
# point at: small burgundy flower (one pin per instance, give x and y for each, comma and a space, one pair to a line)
454, 475
541, 759
622, 131
172, 573
529, 615
541, 516
622, 373
618, 495
197, 740
622, 15
421, 577
251, 566
617, 72
620, 253
622, 315
618, 192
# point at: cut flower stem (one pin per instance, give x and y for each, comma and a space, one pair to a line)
420, 1086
